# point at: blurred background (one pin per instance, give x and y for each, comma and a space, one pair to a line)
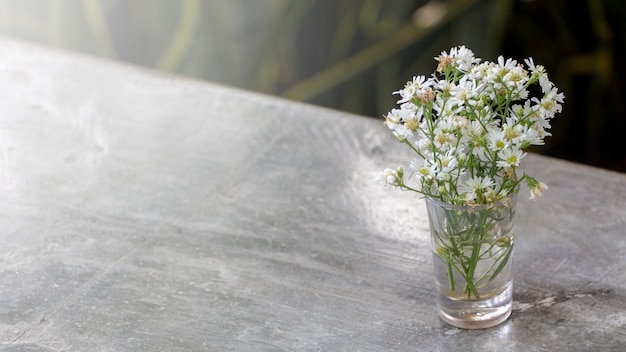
351, 54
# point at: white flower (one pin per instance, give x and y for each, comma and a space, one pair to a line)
404, 121
424, 145
441, 85
460, 122
496, 140
541, 128
475, 186
466, 90
479, 72
550, 104
537, 190
444, 140
540, 72
481, 153
446, 109
424, 169
529, 137
446, 164
504, 67
464, 58
389, 177
472, 133
400, 131
510, 157
419, 87
513, 131
460, 57
515, 79
479, 183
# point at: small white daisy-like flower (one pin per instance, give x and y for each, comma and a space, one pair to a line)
510, 157
513, 131
444, 141
537, 190
497, 140
515, 79
551, 103
448, 162
413, 89
505, 66
474, 186
540, 72
464, 58
388, 177
424, 169
529, 137
466, 90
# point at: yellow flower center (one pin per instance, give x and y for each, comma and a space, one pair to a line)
510, 133
411, 124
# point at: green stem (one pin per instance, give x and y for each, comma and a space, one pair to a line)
471, 286
450, 275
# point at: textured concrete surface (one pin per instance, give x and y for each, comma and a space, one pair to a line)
144, 212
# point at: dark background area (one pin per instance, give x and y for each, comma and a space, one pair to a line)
581, 43
585, 50
352, 54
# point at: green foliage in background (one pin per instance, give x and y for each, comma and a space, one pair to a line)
351, 54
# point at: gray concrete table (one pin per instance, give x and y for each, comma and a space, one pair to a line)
145, 212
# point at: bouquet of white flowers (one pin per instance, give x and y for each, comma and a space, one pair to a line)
469, 123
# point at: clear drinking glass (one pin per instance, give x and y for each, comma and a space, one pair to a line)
473, 256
